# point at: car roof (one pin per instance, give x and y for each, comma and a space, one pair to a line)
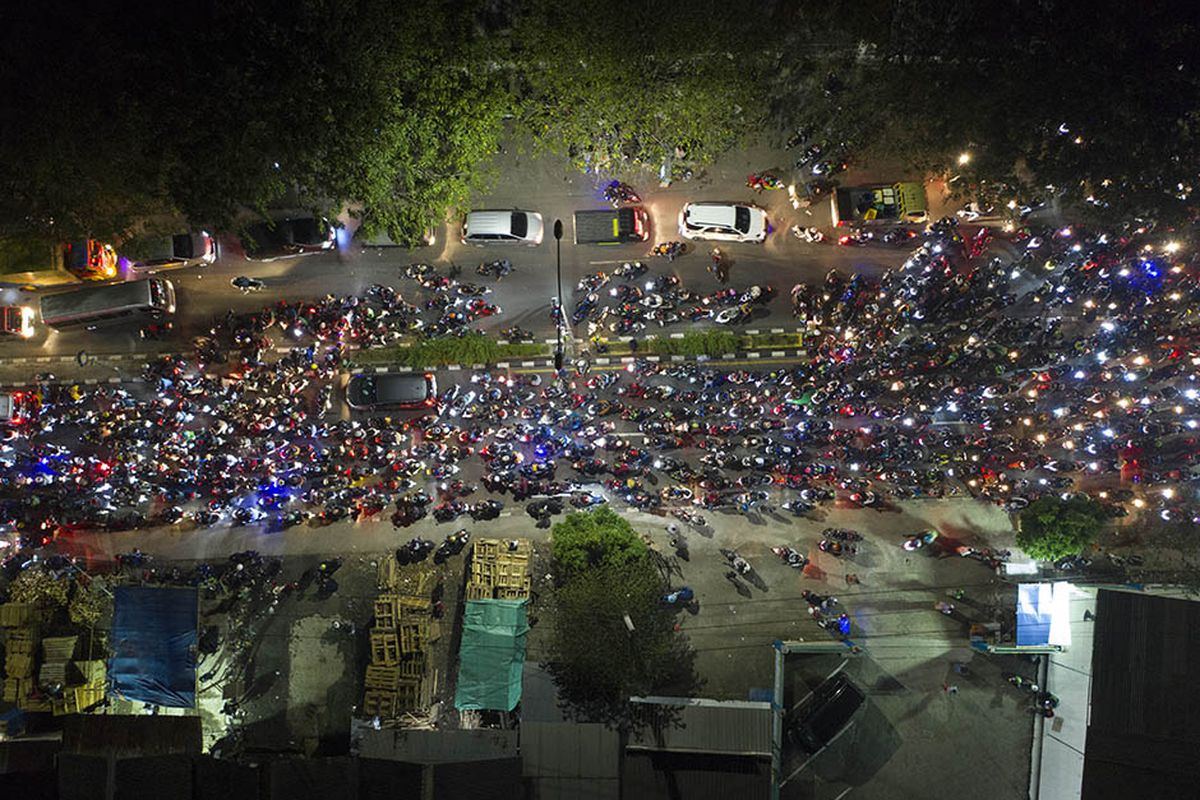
490, 221
724, 214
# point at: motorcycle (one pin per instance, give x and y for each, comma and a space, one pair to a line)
487, 510
592, 283
792, 557
500, 268
678, 597
668, 250
741, 565
247, 284
836, 548
516, 334
808, 234
763, 180
735, 315
452, 545
630, 271
617, 193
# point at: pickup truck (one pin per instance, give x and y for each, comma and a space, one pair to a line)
612, 225
894, 203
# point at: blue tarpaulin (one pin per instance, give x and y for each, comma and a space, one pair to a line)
1034, 609
154, 645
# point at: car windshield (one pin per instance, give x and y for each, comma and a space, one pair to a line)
362, 390
181, 246
308, 230
263, 237
520, 224
741, 219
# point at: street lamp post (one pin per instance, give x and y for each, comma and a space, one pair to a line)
558, 350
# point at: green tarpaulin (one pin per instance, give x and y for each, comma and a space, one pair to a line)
492, 655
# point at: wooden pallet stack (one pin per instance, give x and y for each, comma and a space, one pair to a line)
397, 679
500, 570
20, 647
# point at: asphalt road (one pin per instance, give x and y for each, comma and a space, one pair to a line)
546, 185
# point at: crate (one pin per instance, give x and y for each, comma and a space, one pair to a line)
512, 592
387, 574
92, 673
414, 666
385, 611
490, 549
52, 672
14, 689
59, 648
385, 647
409, 605
408, 695
18, 665
487, 549
511, 570
379, 704
87, 696
477, 591
14, 615
64, 706
381, 678
413, 636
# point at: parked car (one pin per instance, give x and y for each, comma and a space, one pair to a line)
402, 390
16, 321
503, 227
150, 254
287, 237
826, 713
723, 222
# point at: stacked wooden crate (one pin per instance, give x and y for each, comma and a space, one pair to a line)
395, 680
500, 570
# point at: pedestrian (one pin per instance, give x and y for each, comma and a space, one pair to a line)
851, 578
950, 688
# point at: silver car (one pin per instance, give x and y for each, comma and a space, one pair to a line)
510, 226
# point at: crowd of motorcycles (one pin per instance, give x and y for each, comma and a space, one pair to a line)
1070, 369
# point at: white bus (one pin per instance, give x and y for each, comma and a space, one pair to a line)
133, 302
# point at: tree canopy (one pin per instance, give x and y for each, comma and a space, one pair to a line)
202, 109
604, 574
1099, 102
597, 662
1052, 528
599, 538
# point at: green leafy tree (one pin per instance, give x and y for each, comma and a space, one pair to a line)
597, 662
1099, 106
590, 539
1052, 528
615, 91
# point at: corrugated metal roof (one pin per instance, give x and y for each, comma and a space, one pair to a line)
572, 760
733, 727
696, 776
438, 747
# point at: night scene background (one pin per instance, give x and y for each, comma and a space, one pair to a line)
599, 400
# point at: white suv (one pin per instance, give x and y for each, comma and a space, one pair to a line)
503, 227
723, 222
